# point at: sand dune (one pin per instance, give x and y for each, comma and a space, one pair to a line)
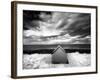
37, 61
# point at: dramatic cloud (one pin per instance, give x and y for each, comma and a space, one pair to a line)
56, 27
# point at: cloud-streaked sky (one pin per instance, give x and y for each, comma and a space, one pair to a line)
56, 27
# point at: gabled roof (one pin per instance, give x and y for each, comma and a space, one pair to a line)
59, 47
59, 56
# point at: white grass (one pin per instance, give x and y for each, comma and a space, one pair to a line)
37, 61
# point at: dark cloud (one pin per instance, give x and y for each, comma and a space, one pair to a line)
81, 25
73, 23
31, 18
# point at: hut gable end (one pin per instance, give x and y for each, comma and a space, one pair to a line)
59, 55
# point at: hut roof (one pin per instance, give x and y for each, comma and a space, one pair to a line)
59, 47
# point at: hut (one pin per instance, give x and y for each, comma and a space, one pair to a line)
59, 56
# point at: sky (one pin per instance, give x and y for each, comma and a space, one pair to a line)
41, 27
